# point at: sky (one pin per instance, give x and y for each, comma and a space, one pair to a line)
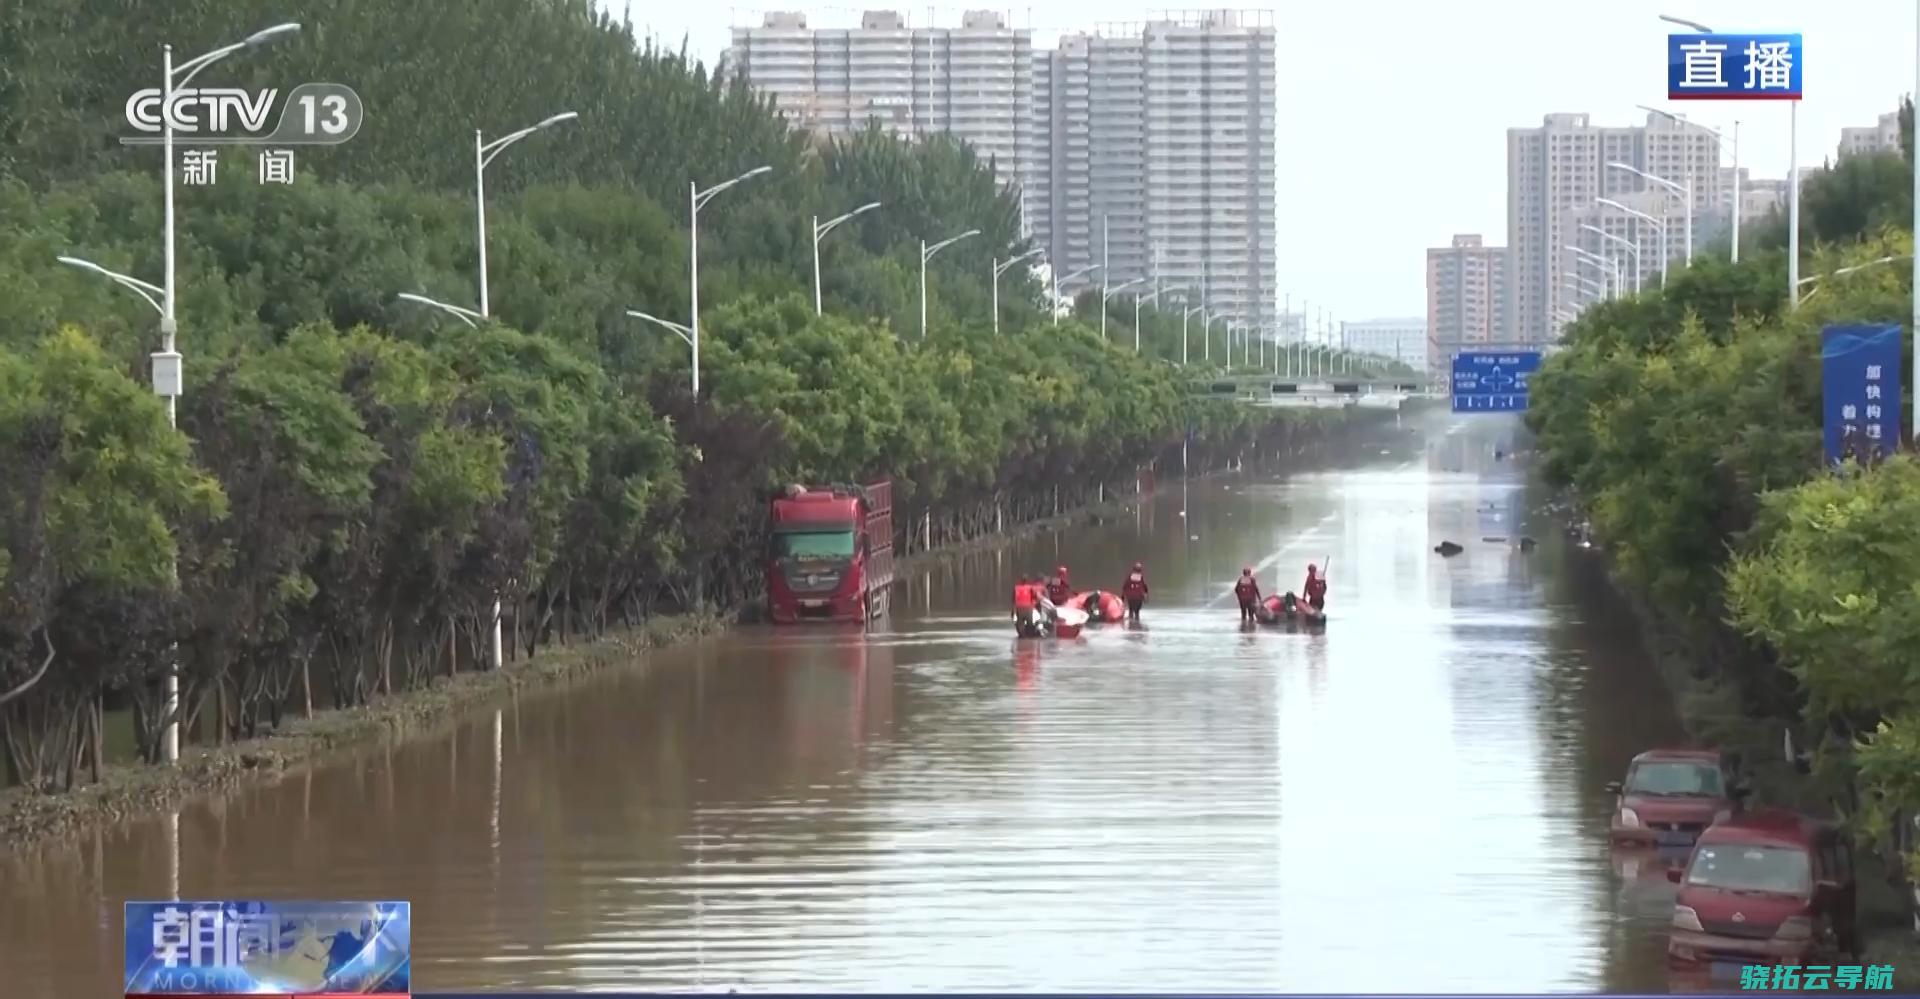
1392, 116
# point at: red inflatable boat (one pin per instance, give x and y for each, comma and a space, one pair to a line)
1100, 606
1289, 609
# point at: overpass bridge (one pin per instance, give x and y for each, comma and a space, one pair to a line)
1329, 391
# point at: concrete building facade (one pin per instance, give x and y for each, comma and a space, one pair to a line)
974, 81
1881, 137
1404, 340
1149, 146
1555, 174
1157, 156
1469, 299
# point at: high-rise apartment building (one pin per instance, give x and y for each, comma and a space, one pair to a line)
1883, 137
1149, 146
1555, 175
973, 81
1468, 299
1155, 154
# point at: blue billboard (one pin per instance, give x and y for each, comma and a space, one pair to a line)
1492, 382
1860, 391
1733, 67
268, 948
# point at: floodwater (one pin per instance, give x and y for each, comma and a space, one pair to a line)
1411, 800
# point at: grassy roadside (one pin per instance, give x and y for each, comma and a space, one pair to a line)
126, 791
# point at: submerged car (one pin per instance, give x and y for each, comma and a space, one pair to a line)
1767, 887
1671, 795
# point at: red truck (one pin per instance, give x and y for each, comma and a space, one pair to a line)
830, 553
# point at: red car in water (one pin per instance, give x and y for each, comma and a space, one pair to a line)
1767, 887
1671, 795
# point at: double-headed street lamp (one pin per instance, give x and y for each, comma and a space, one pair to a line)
1058, 278
821, 229
696, 199
1000, 267
1716, 133
168, 379
1631, 247
1107, 293
1685, 191
926, 254
1658, 225
483, 154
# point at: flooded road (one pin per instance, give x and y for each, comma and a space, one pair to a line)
1411, 800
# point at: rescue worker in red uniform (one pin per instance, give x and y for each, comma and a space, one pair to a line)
1315, 589
1248, 592
1134, 591
1026, 602
1058, 589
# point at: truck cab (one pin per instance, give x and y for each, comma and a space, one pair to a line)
827, 557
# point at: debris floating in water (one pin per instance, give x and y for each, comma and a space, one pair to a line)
1448, 548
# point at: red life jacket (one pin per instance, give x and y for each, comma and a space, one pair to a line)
1247, 590
1024, 598
1316, 587
1059, 591
1135, 587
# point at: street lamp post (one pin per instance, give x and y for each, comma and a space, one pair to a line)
483, 154
820, 230
1716, 133
1659, 227
696, 199
1057, 278
999, 268
1684, 190
926, 254
168, 375
1184, 316
1632, 247
1154, 297
1107, 293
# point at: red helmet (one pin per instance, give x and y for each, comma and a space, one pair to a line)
1248, 571
1062, 570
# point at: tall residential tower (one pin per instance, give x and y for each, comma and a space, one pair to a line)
1149, 146
973, 81
1555, 175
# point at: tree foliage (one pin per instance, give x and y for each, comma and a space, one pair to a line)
1689, 422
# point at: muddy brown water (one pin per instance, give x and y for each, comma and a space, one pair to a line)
1411, 800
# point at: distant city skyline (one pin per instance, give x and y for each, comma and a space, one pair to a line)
1377, 164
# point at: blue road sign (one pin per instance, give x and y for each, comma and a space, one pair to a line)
1733, 67
1492, 383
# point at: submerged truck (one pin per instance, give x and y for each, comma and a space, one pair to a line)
830, 553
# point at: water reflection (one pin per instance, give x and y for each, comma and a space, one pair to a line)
934, 805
